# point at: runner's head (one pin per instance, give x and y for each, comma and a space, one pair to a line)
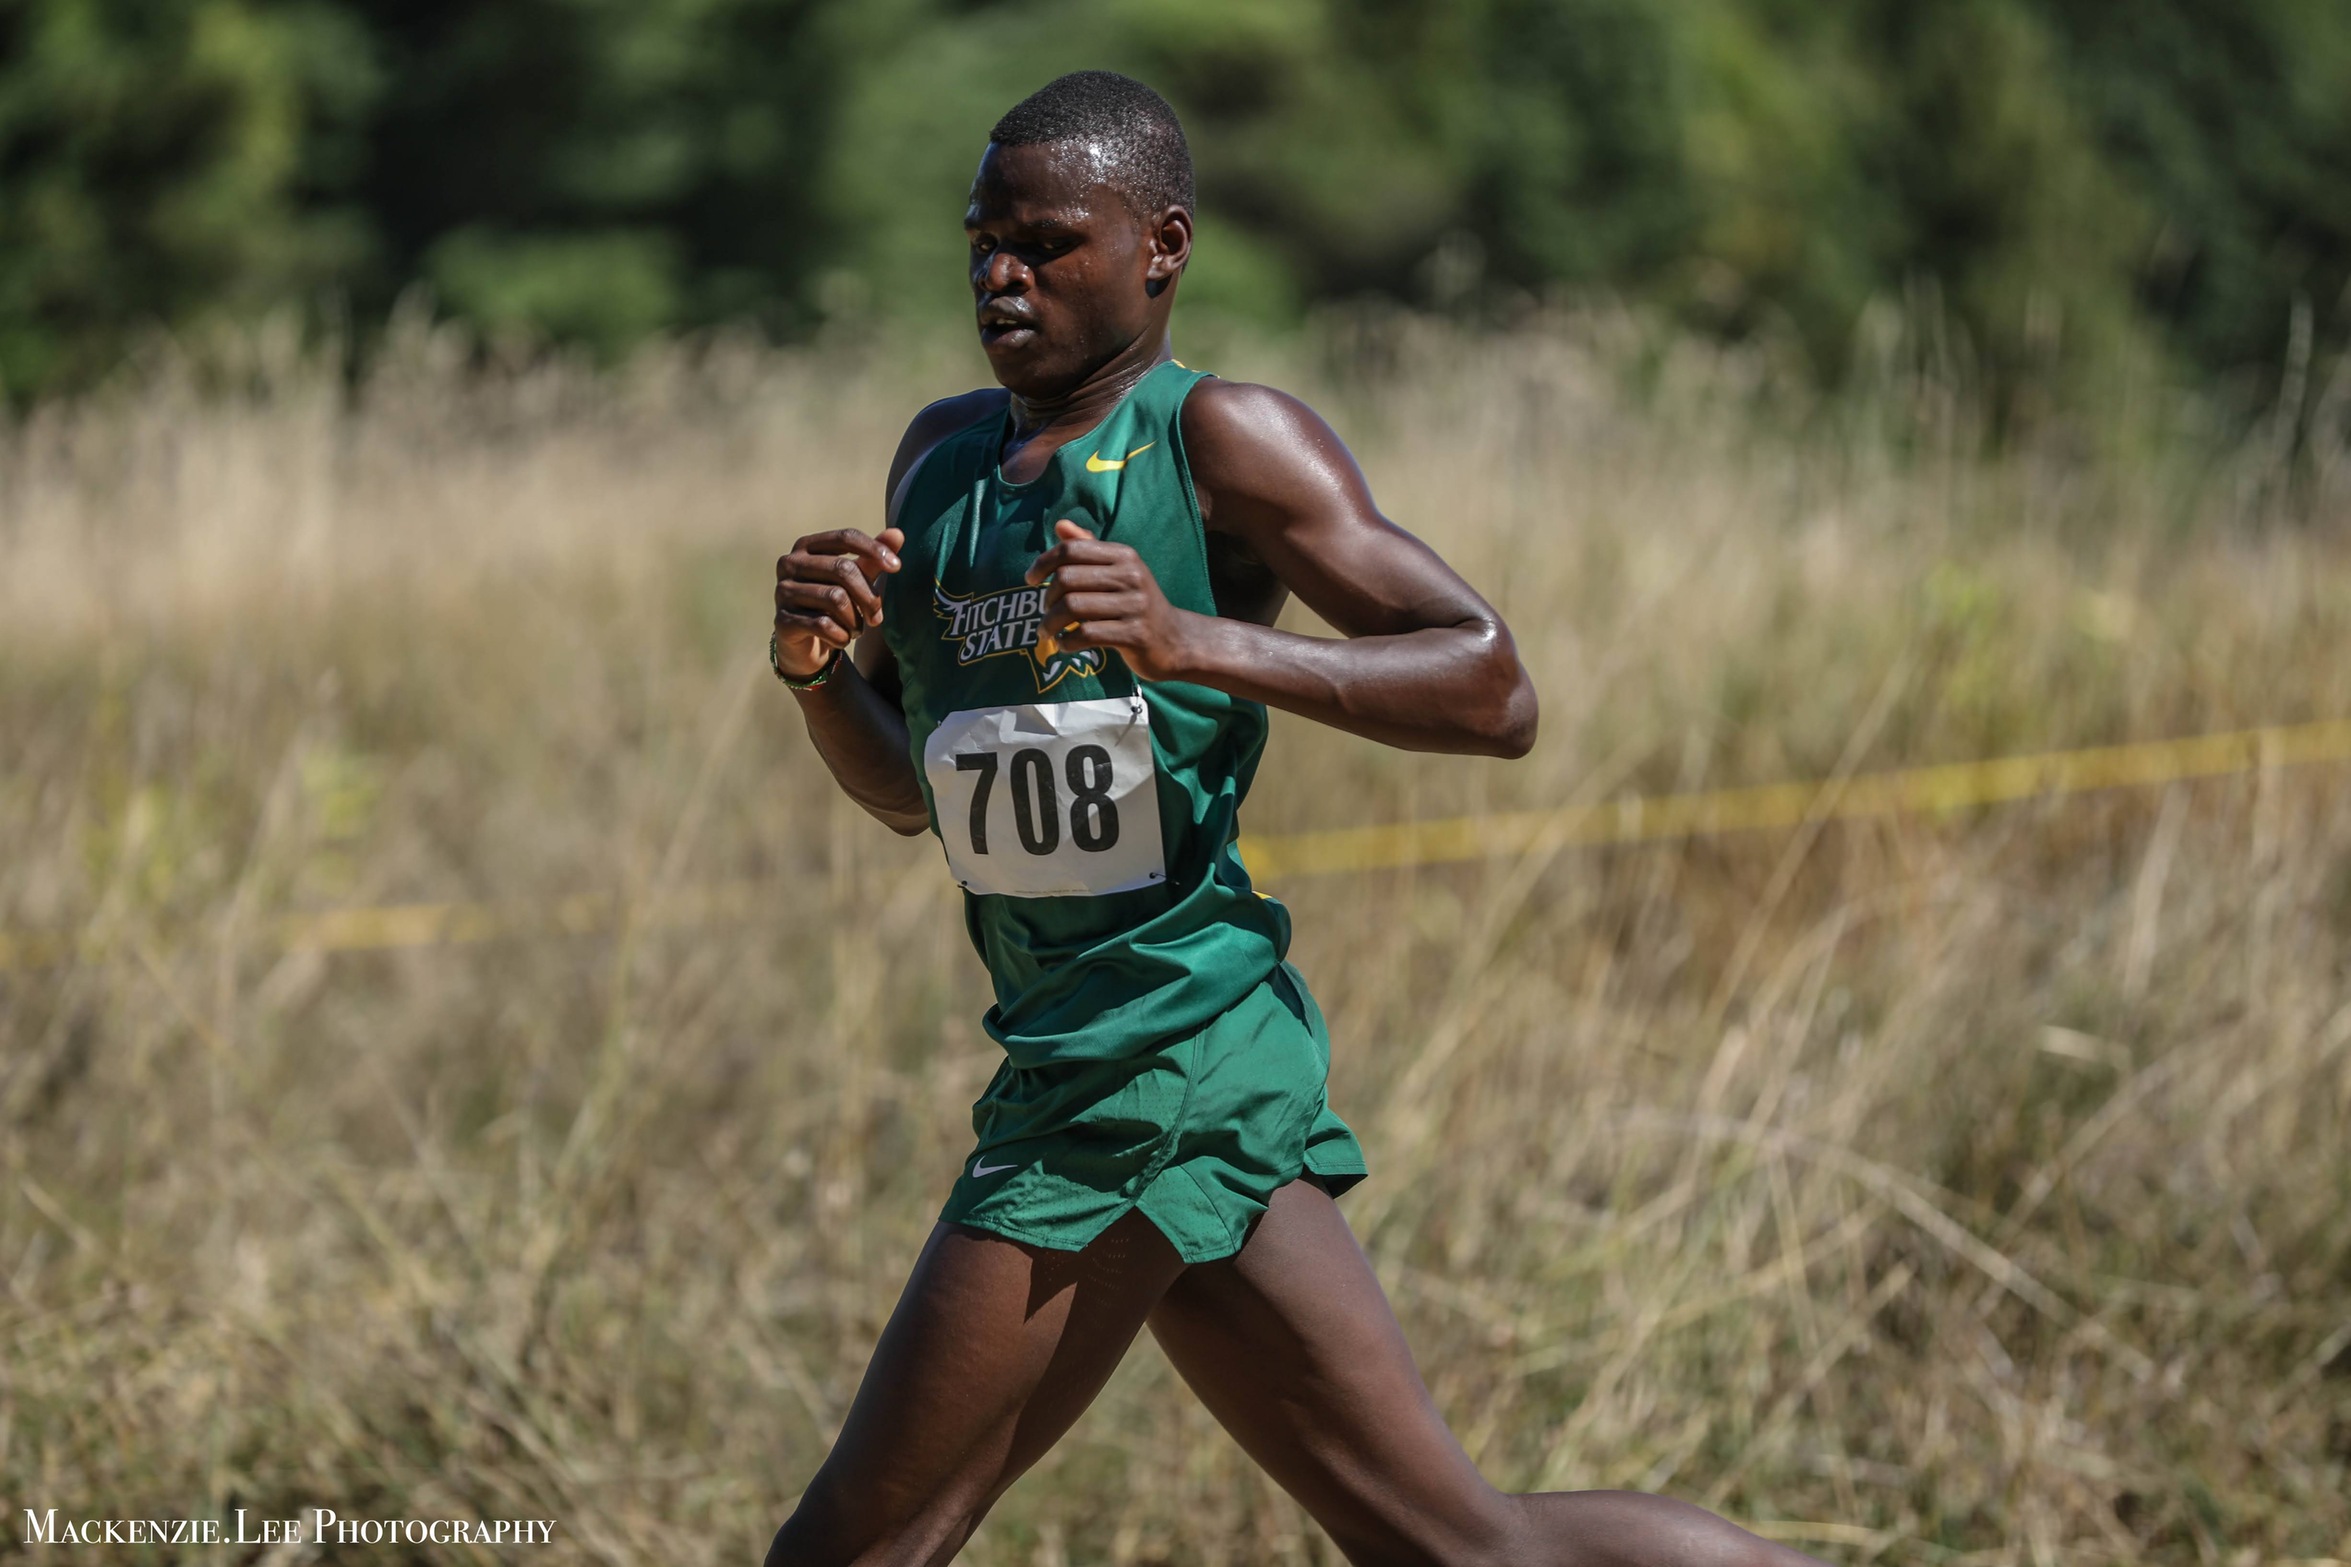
1080, 222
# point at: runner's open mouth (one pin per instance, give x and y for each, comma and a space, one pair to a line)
1000, 323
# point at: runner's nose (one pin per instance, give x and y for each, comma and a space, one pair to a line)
1003, 273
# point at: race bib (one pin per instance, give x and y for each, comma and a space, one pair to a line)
1048, 800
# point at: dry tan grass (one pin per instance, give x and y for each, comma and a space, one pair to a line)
1919, 1190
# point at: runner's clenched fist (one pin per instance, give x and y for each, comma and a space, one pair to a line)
1102, 595
828, 594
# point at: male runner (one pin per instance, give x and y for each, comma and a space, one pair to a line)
1076, 591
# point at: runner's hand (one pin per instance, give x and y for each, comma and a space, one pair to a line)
827, 594
1101, 595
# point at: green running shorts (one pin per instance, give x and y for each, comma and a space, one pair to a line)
1198, 1133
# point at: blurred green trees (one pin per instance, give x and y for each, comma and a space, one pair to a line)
2060, 177
154, 164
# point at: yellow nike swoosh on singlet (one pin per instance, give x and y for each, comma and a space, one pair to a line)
1096, 464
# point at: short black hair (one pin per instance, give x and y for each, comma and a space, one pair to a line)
1150, 164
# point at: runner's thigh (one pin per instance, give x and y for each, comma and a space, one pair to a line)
993, 1350
1292, 1347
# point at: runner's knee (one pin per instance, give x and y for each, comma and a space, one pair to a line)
814, 1535
828, 1529
1395, 1530
1609, 1528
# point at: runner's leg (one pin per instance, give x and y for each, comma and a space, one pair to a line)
1292, 1346
994, 1349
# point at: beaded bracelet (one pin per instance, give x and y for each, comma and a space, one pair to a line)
801, 682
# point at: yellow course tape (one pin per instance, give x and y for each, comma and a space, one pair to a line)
1915, 789
390, 926
1393, 846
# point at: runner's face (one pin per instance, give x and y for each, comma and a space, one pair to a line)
1061, 268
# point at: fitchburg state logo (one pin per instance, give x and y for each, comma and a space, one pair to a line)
984, 625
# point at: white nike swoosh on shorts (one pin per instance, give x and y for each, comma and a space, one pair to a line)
979, 1170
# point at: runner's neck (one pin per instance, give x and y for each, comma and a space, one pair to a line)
1046, 424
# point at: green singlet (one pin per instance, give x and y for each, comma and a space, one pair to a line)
1159, 1053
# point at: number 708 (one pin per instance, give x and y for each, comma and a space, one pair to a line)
1036, 800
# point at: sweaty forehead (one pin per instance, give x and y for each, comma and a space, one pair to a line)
1043, 184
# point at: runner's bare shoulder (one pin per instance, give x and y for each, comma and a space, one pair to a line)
933, 425
1257, 445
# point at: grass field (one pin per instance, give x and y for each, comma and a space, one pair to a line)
1967, 1189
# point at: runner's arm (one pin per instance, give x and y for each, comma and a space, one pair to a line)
857, 726
827, 597
1425, 663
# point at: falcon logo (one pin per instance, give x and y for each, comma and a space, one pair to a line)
982, 625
